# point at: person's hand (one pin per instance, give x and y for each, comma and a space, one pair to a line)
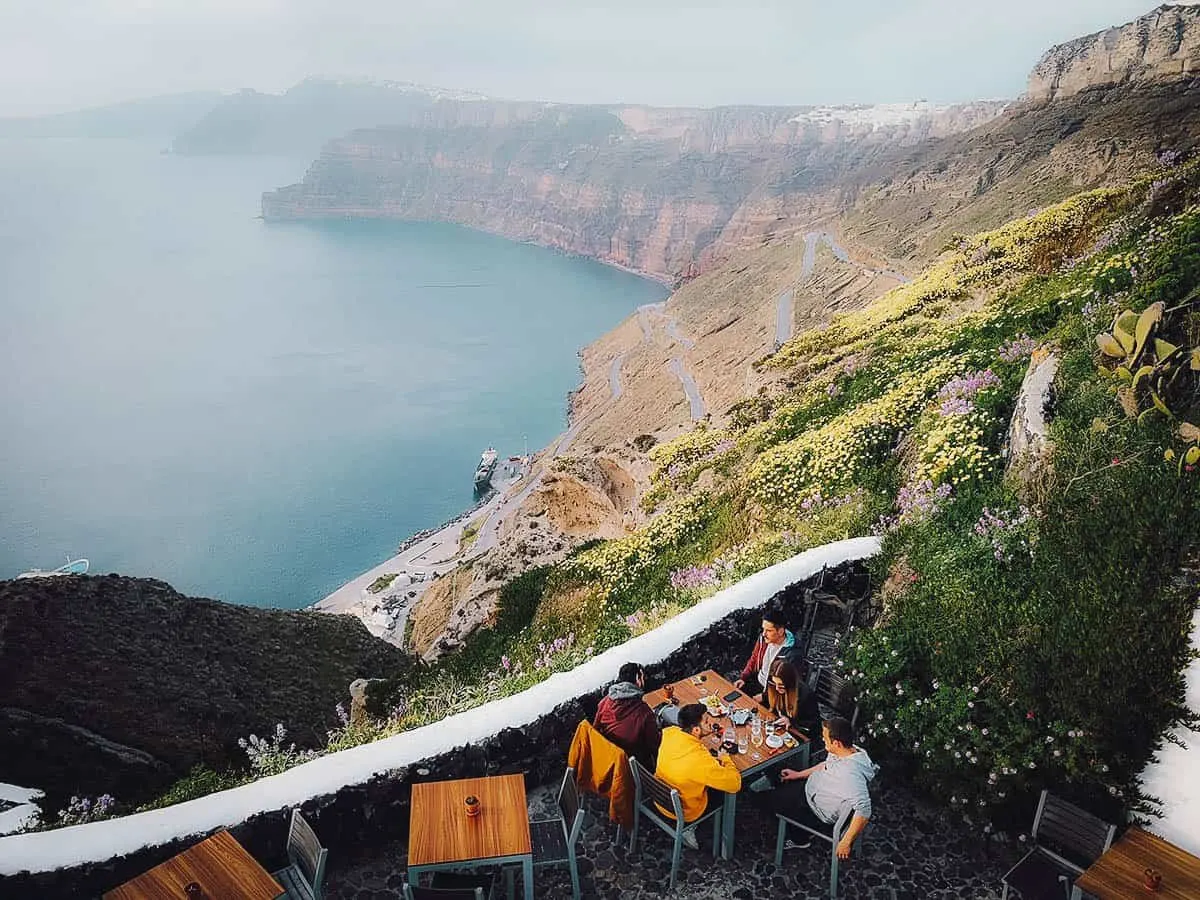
784, 721
788, 774
843, 848
739, 684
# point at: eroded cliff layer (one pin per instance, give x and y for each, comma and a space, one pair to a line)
1164, 43
664, 192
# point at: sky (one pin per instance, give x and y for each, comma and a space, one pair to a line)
57, 55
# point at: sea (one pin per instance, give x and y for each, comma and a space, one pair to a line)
256, 411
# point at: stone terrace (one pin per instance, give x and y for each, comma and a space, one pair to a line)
912, 851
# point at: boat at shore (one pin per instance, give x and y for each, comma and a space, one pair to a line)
483, 472
73, 567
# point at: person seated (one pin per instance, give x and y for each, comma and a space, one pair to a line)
775, 642
817, 795
625, 719
790, 699
685, 763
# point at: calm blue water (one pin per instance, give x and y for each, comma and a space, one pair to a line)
257, 412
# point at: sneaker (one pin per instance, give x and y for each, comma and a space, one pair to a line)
802, 844
689, 838
762, 784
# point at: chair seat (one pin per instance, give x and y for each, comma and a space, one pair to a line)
549, 842
293, 883
1039, 876
463, 881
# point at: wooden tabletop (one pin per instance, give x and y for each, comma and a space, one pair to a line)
441, 832
219, 864
1120, 872
687, 691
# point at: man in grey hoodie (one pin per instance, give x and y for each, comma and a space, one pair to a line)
818, 794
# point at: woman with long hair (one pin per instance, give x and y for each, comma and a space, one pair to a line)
789, 697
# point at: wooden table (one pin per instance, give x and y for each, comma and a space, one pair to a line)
442, 836
219, 864
687, 691
1118, 873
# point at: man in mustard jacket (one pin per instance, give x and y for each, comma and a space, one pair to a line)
685, 764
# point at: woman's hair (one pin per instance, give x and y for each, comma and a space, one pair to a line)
787, 701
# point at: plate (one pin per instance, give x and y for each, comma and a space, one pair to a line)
717, 709
774, 741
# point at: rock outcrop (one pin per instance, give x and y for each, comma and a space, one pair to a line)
121, 685
1164, 43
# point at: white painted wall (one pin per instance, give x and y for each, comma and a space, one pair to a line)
1174, 776
79, 844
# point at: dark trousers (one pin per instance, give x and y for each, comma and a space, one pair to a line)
788, 799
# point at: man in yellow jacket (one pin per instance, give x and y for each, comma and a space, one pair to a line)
685, 764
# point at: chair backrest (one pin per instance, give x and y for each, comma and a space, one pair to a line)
412, 892
570, 808
1069, 829
305, 852
833, 693
656, 790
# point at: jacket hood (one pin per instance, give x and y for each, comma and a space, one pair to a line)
862, 762
624, 690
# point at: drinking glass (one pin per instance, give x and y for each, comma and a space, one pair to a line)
743, 746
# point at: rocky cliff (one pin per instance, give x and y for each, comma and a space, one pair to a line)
1164, 43
665, 192
120, 685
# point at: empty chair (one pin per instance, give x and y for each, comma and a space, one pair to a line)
1066, 840
831, 833
412, 892
554, 839
653, 793
460, 881
305, 874
834, 696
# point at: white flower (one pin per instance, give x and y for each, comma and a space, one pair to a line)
1058, 753
878, 717
970, 705
975, 689
983, 731
1049, 739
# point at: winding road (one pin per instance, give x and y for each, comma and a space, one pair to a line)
813, 239
646, 314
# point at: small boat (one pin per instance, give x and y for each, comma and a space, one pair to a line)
487, 465
73, 567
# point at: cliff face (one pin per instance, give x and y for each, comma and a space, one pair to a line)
120, 685
661, 191
1164, 43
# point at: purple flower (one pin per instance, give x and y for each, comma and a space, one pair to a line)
957, 393
693, 577
341, 714
1017, 349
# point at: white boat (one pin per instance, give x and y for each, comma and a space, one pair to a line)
73, 567
487, 465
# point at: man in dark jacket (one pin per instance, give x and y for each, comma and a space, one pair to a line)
775, 642
625, 719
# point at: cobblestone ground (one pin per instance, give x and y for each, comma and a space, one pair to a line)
911, 852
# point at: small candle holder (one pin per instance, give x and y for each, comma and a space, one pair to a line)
472, 805
193, 891
1151, 880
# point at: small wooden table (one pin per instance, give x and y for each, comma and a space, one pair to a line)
442, 836
687, 691
219, 864
1119, 872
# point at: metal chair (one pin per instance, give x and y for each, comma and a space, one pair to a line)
304, 876
834, 696
1059, 828
412, 892
554, 839
653, 793
463, 881
832, 833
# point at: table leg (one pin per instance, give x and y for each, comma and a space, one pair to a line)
728, 814
510, 882
527, 874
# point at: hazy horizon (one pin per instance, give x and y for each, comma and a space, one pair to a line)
716, 53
